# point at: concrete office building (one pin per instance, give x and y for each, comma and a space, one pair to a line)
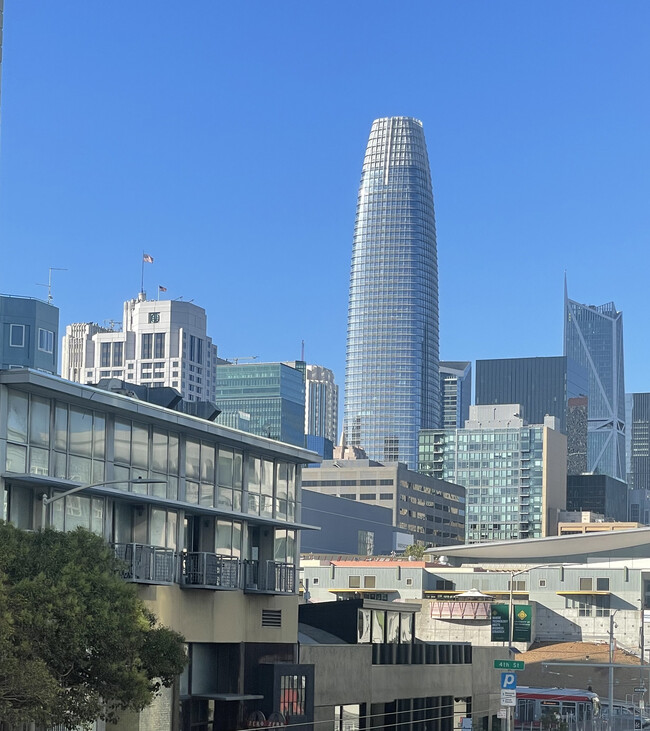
514, 473
29, 332
426, 509
216, 538
158, 343
392, 387
272, 394
593, 336
455, 393
541, 386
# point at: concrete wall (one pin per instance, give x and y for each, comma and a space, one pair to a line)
554, 481
221, 616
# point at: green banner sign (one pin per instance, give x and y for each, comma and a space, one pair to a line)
500, 625
521, 631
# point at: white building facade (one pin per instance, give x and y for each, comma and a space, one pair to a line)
160, 343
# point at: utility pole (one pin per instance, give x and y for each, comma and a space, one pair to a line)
612, 646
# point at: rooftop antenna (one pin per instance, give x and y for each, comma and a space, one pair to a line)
49, 282
302, 350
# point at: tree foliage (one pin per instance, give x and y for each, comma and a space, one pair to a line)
76, 643
415, 550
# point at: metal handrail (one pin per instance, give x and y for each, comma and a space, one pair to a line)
202, 568
146, 564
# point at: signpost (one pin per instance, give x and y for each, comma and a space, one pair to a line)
639, 690
509, 664
508, 697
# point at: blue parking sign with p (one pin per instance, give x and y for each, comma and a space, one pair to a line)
509, 681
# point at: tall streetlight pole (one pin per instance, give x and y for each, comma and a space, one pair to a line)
45, 500
511, 619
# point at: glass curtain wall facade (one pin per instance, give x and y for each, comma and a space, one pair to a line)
638, 438
455, 393
392, 386
273, 394
593, 336
543, 386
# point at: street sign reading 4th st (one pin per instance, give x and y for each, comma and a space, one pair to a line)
509, 664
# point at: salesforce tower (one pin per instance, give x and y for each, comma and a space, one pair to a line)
391, 375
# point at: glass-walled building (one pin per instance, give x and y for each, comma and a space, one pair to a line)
593, 336
514, 473
391, 377
272, 394
542, 386
455, 393
204, 517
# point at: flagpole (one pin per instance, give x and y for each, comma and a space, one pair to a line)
142, 277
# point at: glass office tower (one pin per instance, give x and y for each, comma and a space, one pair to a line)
593, 336
391, 378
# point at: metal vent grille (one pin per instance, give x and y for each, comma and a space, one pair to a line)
271, 618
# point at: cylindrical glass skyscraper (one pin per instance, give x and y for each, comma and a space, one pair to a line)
391, 375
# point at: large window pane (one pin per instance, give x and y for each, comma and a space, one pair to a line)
81, 431
254, 474
173, 453
77, 512
192, 451
61, 427
16, 458
206, 495
17, 417
99, 437
207, 462
140, 446
159, 451
122, 444
225, 467
39, 461
39, 422
237, 471
80, 469
158, 528
267, 477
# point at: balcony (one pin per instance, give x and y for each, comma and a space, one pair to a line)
209, 571
269, 577
146, 564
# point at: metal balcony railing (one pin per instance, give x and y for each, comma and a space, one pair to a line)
269, 577
209, 570
147, 564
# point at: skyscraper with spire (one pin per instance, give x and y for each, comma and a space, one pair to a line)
391, 377
593, 336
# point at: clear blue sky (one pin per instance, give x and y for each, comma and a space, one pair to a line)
226, 140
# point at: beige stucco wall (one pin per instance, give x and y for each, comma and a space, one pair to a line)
203, 615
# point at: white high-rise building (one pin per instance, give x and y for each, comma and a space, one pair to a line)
159, 343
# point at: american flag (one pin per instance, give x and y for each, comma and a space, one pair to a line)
148, 258
161, 288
